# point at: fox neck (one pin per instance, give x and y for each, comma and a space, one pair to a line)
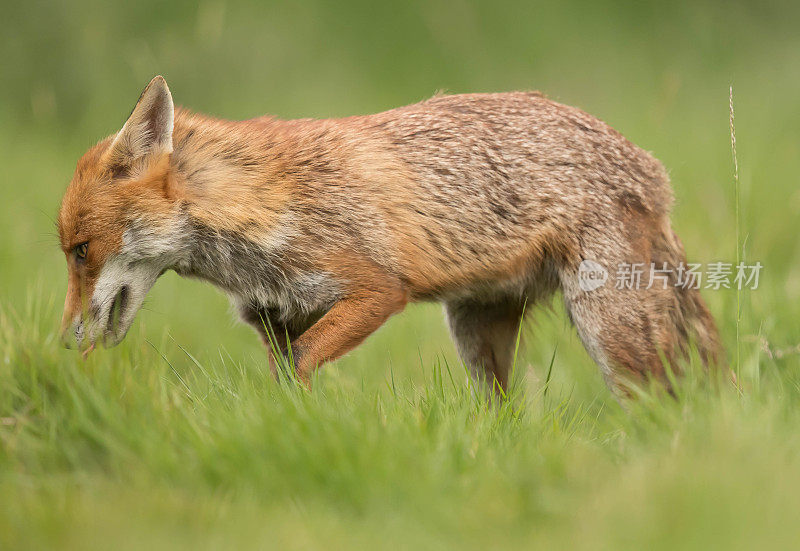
235, 214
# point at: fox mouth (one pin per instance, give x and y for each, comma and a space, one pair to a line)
117, 310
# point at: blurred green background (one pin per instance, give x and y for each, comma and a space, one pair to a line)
659, 72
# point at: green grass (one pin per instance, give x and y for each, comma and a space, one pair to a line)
137, 450
179, 438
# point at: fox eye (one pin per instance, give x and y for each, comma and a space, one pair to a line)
81, 250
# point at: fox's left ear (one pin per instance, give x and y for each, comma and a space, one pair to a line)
148, 131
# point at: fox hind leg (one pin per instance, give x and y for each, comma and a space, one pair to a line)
485, 335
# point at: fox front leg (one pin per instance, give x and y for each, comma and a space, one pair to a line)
351, 320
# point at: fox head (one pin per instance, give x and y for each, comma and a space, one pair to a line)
120, 223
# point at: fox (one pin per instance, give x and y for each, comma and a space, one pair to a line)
320, 230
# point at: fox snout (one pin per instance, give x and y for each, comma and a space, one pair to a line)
70, 330
96, 323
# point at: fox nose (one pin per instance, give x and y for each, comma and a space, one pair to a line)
67, 338
70, 334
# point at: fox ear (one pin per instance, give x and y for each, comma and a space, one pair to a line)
148, 131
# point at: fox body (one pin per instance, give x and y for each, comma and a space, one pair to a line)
323, 229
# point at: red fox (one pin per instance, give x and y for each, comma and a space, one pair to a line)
323, 229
